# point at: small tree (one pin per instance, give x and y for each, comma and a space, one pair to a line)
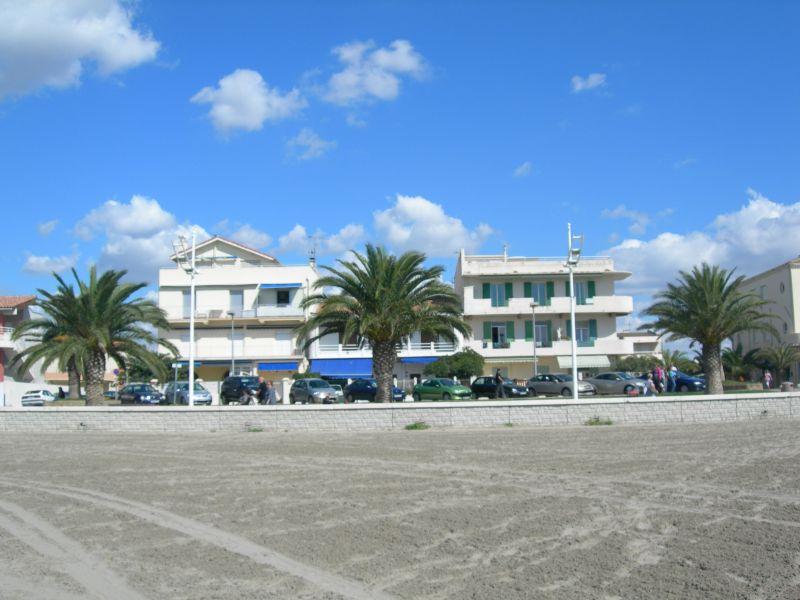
737, 362
464, 364
781, 358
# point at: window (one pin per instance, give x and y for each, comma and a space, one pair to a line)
497, 292
237, 302
498, 335
782, 287
542, 334
283, 297
785, 326
582, 329
187, 304
581, 292
539, 294
762, 291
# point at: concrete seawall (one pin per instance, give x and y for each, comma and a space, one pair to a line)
380, 417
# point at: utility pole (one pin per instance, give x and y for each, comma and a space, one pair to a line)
574, 244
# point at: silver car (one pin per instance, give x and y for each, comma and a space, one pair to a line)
617, 382
180, 394
312, 391
557, 383
37, 397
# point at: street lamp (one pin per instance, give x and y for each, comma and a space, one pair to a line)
189, 268
231, 314
534, 304
574, 243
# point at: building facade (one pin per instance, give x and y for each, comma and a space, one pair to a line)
498, 292
247, 310
780, 286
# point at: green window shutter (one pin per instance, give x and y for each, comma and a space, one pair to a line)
566, 288
509, 291
528, 331
551, 290
487, 330
569, 328
527, 292
510, 331
487, 293
593, 328
591, 289
549, 332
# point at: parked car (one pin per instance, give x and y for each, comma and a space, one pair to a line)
485, 386
238, 389
689, 383
339, 392
37, 397
140, 393
179, 394
557, 383
617, 382
366, 389
440, 389
312, 391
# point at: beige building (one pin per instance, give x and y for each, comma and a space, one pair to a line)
498, 291
781, 287
247, 310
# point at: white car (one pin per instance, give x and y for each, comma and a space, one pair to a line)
37, 397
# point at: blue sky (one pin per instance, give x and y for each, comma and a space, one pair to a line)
666, 132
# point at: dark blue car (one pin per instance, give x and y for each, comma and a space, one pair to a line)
366, 389
689, 383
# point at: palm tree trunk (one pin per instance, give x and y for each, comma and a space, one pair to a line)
712, 367
74, 379
95, 369
384, 356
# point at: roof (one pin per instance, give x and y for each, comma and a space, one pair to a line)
218, 238
15, 301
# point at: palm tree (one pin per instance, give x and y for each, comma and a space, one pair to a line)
781, 358
708, 307
677, 358
383, 299
50, 337
102, 321
738, 362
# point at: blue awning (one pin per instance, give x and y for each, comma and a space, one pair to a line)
418, 360
342, 367
280, 286
278, 366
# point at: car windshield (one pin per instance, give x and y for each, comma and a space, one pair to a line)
146, 389
250, 381
185, 386
317, 383
564, 378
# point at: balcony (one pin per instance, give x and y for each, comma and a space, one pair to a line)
259, 313
405, 349
5, 337
520, 347
614, 305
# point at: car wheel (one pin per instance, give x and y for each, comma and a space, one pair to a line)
566, 392
474, 396
445, 396
531, 392
628, 389
291, 398
417, 398
683, 388
349, 398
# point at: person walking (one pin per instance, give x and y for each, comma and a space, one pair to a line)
672, 379
499, 387
767, 380
272, 397
261, 392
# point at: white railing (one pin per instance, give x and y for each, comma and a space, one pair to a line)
5, 335
434, 347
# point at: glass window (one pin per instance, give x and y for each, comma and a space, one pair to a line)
283, 297
497, 292
541, 334
187, 304
237, 302
581, 292
539, 293
498, 334
582, 331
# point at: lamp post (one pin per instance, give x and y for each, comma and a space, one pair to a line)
189, 268
574, 243
534, 304
231, 314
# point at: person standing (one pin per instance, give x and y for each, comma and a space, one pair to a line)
650, 386
767, 380
672, 379
261, 392
272, 397
499, 385
61, 394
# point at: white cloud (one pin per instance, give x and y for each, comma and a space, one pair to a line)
250, 236
372, 74
524, 169
140, 217
639, 221
44, 265
685, 162
244, 101
47, 227
415, 223
298, 240
307, 144
47, 43
594, 80
760, 235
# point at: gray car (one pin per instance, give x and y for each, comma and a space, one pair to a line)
180, 394
617, 382
312, 391
546, 384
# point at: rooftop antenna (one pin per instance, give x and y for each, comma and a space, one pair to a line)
505, 252
312, 251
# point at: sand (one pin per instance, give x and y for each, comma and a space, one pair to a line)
692, 511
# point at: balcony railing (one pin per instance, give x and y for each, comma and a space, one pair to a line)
433, 347
5, 337
247, 313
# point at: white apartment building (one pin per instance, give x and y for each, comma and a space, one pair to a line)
780, 286
498, 291
247, 310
